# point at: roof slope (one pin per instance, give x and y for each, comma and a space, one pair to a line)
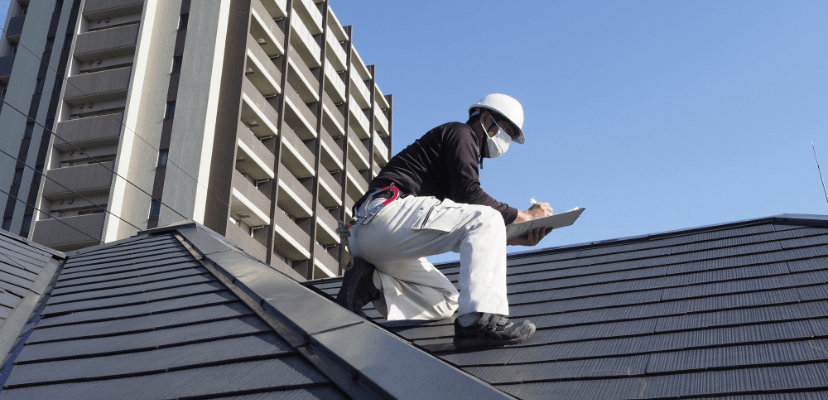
26, 268
180, 312
144, 319
730, 310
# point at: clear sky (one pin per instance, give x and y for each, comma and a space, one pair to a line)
653, 115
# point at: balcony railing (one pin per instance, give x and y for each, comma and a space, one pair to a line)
336, 84
85, 179
248, 202
310, 15
326, 227
56, 234
304, 42
245, 241
363, 95
257, 113
329, 190
331, 152
358, 154
333, 111
381, 120
325, 263
303, 80
276, 8
15, 28
252, 157
336, 54
296, 156
380, 150
290, 240
265, 32
298, 115
261, 71
6, 63
294, 197
95, 9
99, 131
356, 183
358, 121
107, 43
98, 86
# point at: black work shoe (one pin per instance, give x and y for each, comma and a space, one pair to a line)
492, 330
358, 288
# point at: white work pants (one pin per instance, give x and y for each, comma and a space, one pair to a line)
407, 230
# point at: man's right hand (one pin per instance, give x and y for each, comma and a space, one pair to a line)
538, 210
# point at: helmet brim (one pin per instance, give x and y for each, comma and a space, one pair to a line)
520, 138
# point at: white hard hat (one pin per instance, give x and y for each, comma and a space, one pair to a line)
506, 106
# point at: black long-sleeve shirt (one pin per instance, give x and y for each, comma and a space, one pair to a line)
443, 164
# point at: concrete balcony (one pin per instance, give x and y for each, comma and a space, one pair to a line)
306, 9
296, 157
108, 43
257, 113
334, 116
358, 121
276, 8
336, 27
359, 65
97, 9
329, 190
294, 198
380, 120
336, 54
349, 205
356, 183
326, 227
261, 71
331, 152
15, 28
381, 155
298, 115
248, 203
380, 98
303, 80
304, 43
56, 234
99, 131
325, 264
252, 157
265, 32
358, 154
375, 170
289, 240
360, 91
98, 87
246, 242
6, 64
88, 180
335, 87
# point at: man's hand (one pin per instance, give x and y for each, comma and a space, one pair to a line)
533, 237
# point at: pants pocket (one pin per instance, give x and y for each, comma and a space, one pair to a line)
444, 216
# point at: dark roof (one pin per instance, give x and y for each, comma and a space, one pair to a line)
25, 270
179, 312
731, 311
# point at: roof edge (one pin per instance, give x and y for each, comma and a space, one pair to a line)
55, 253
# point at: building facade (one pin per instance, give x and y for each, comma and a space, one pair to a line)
256, 118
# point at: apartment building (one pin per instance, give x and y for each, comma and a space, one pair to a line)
256, 118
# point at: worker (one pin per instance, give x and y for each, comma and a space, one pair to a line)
426, 201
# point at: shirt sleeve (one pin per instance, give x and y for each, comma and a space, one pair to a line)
461, 154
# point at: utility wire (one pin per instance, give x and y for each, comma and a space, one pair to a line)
74, 192
820, 172
91, 157
58, 220
169, 161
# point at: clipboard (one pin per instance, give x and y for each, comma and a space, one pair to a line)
554, 221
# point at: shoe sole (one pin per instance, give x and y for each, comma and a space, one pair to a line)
478, 342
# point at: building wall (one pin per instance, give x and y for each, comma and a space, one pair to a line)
278, 124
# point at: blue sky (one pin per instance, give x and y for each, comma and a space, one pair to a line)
654, 115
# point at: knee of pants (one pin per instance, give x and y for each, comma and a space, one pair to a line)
490, 218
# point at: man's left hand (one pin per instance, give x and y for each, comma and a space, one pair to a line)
531, 238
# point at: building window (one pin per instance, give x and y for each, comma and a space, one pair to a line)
29, 130
162, 157
76, 4
58, 5
49, 43
39, 86
67, 43
155, 209
18, 177
58, 83
6, 224
184, 21
27, 224
14, 48
170, 110
38, 174
176, 64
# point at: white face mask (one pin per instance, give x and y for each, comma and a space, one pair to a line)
497, 143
